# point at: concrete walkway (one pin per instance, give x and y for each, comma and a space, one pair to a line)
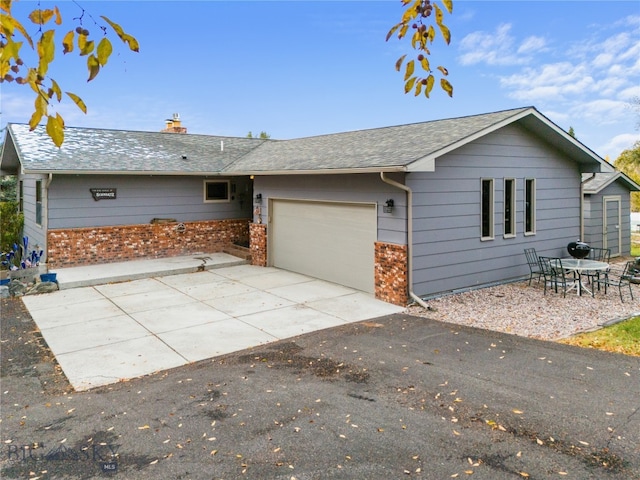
114, 322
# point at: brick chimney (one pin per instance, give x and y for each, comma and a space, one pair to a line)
174, 125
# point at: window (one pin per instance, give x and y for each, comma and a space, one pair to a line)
509, 207
20, 196
529, 206
216, 191
38, 202
486, 209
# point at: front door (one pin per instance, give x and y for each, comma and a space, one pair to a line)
611, 222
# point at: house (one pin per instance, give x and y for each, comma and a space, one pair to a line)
401, 212
607, 210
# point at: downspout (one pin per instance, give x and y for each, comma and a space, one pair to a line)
409, 192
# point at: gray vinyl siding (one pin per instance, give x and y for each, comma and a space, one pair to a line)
448, 253
366, 188
593, 216
140, 199
36, 233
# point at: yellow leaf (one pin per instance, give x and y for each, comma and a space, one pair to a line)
35, 120
94, 67
392, 31
449, 5
56, 89
40, 17
409, 69
403, 30
128, 39
418, 88
431, 34
446, 86
67, 42
144, 427
409, 85
399, 62
55, 129
425, 64
446, 34
46, 51
78, 101
9, 24
58, 16
524, 474
6, 5
439, 14
430, 81
516, 411
411, 12
87, 48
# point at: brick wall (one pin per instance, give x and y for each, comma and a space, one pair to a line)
96, 245
258, 244
391, 273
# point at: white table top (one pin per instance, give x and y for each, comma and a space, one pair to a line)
583, 264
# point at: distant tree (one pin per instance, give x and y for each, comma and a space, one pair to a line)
13, 35
415, 15
629, 163
263, 135
572, 132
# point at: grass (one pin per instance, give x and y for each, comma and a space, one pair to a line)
623, 337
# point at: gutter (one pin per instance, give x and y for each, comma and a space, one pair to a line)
409, 192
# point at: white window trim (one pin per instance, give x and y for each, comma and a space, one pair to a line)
514, 226
492, 209
534, 207
226, 200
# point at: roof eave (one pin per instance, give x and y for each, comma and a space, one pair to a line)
323, 171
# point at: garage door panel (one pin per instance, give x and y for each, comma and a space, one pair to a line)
331, 241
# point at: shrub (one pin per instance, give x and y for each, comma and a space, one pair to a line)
11, 223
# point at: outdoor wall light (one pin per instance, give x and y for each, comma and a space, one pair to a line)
258, 198
388, 206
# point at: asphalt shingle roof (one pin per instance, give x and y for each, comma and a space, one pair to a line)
90, 150
97, 150
379, 147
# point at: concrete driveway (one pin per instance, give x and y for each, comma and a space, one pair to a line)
106, 332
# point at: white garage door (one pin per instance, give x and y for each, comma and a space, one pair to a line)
331, 241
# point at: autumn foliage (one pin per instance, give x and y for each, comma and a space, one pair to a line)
14, 38
416, 19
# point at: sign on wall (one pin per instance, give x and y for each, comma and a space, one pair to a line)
103, 193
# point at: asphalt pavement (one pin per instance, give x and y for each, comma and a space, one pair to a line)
392, 397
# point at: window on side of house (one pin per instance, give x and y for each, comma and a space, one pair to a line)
509, 207
21, 196
216, 191
529, 206
486, 209
38, 202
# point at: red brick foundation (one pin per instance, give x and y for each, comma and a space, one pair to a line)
258, 244
96, 245
391, 273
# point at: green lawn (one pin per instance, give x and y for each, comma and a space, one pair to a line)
623, 337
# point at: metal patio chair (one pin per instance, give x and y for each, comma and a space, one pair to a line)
554, 275
600, 255
534, 264
618, 278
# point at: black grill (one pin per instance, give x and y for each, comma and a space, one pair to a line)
578, 249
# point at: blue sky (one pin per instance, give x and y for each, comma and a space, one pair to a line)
301, 68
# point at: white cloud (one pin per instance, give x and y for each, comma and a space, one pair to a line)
619, 143
490, 48
532, 44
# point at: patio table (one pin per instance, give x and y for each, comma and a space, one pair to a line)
580, 266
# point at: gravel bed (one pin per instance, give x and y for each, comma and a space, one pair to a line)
524, 310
